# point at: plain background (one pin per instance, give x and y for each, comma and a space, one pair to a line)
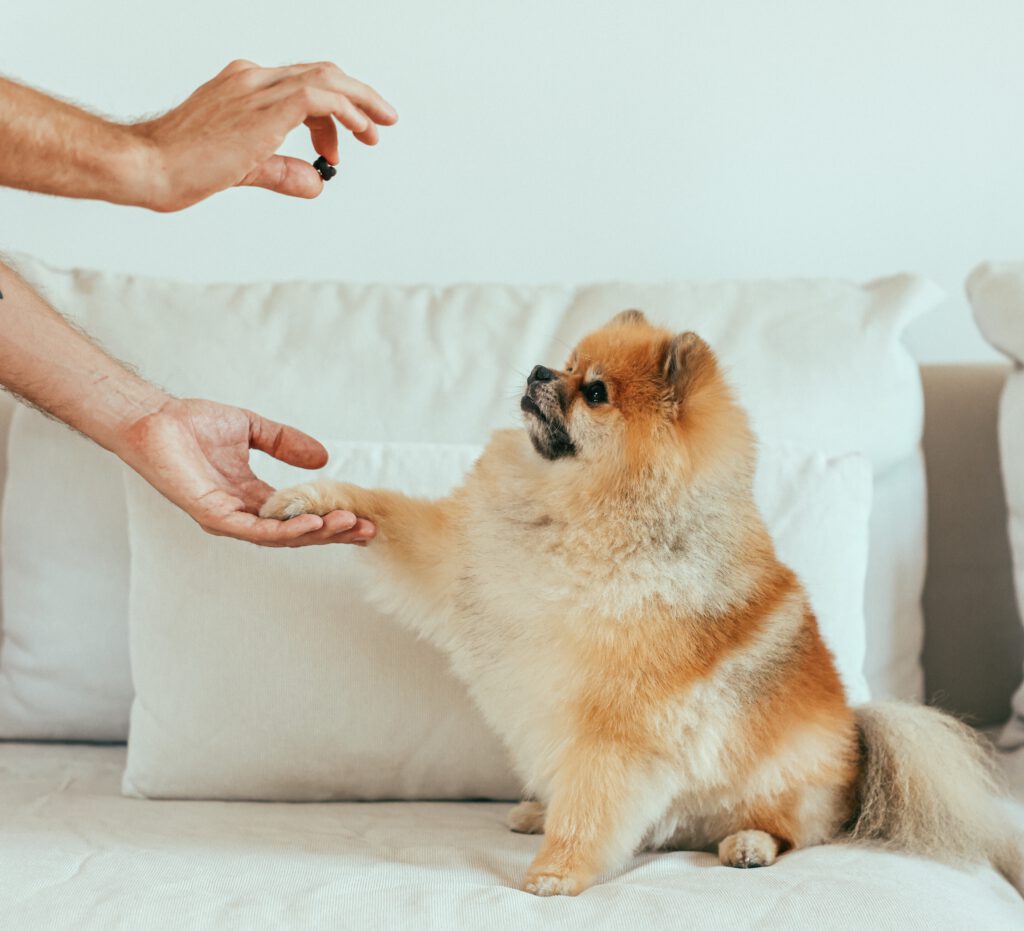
576, 141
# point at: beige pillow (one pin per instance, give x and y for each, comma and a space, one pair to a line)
265, 674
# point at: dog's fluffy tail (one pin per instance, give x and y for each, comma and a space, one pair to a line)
928, 785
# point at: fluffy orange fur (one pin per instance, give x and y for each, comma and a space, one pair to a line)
607, 589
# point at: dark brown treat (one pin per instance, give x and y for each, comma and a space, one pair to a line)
326, 169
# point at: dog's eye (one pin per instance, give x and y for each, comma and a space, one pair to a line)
595, 393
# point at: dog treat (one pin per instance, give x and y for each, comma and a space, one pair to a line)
326, 169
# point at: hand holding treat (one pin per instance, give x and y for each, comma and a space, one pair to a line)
226, 134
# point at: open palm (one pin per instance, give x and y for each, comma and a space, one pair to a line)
196, 453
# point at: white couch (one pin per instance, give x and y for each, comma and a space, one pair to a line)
75, 853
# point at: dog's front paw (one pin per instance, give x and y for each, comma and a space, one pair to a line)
291, 502
553, 884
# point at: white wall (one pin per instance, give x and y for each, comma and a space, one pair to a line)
572, 141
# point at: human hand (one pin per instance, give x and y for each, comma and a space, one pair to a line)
227, 133
196, 453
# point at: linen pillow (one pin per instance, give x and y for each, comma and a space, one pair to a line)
997, 297
265, 674
64, 673
818, 364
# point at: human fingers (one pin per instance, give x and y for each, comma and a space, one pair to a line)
370, 137
360, 533
285, 175
339, 527
280, 82
305, 102
284, 442
323, 132
263, 531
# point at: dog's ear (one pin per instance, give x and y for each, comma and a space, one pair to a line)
630, 317
689, 363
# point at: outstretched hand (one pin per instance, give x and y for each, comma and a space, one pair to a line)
196, 453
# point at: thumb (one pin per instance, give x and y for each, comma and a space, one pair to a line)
285, 443
285, 175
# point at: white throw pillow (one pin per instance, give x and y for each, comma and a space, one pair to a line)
819, 364
64, 673
266, 674
997, 296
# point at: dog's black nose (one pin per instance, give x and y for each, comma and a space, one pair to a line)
540, 373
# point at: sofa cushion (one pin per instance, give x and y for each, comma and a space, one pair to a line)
75, 854
64, 670
819, 364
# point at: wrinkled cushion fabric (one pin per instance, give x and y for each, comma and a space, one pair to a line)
75, 854
819, 364
263, 674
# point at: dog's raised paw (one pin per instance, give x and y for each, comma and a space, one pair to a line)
291, 502
747, 850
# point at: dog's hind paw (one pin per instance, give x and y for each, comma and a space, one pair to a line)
746, 850
526, 818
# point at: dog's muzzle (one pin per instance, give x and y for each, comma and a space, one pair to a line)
544, 407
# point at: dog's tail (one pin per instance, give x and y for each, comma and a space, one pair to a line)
928, 785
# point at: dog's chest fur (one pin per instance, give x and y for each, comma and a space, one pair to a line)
545, 613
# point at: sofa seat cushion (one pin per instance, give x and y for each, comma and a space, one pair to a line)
76, 854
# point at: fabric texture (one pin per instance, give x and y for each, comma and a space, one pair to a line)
819, 365
75, 854
997, 297
64, 672
267, 675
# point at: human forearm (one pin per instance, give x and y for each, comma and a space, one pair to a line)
53, 147
46, 361
194, 452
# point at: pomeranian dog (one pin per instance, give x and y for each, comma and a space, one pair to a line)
606, 588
